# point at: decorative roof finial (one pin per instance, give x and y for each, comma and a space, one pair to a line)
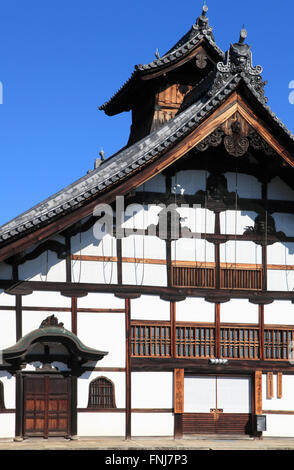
157, 55
102, 154
204, 8
243, 35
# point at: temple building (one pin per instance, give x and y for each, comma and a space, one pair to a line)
154, 296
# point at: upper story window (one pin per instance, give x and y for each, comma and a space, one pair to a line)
101, 394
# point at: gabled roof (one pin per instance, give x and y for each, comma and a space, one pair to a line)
199, 32
236, 72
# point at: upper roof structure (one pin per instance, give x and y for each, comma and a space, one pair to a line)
199, 33
232, 77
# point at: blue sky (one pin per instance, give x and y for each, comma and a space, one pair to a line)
61, 59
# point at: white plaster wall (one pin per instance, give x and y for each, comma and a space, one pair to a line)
39, 269
240, 252
5, 271
197, 219
247, 186
9, 390
239, 311
45, 299
191, 181
150, 307
87, 243
277, 189
118, 379
280, 312
236, 222
105, 332
152, 424
147, 275
7, 425
97, 300
98, 272
192, 250
139, 216
280, 280
286, 403
31, 320
155, 184
7, 328
6, 299
137, 246
195, 310
284, 223
279, 426
101, 424
152, 390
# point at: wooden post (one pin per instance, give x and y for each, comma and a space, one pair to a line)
18, 315
173, 329
119, 260
261, 332
217, 351
258, 392
128, 369
178, 402
19, 407
74, 314
270, 385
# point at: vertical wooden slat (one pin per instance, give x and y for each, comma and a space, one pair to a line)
217, 331
128, 368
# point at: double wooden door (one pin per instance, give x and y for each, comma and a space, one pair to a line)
46, 405
217, 405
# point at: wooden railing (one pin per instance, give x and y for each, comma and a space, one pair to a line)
230, 277
150, 339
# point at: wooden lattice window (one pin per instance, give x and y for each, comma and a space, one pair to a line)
151, 340
239, 343
2, 405
184, 276
278, 343
241, 278
101, 394
195, 341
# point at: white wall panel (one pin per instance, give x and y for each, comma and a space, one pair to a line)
152, 389
155, 184
105, 332
280, 253
137, 246
149, 307
32, 320
195, 310
199, 394
277, 189
99, 272
101, 424
284, 223
197, 219
5, 271
236, 222
280, 312
7, 328
279, 426
46, 267
9, 390
247, 186
286, 403
152, 424
238, 311
140, 216
234, 394
118, 379
147, 275
6, 299
97, 300
191, 181
240, 252
280, 280
192, 250
46, 299
7, 425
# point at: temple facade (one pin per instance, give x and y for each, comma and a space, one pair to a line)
154, 296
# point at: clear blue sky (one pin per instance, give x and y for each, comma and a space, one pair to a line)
61, 59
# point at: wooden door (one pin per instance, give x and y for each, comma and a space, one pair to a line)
217, 405
46, 406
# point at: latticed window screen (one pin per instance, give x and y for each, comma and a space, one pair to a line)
101, 394
195, 341
150, 340
278, 343
2, 405
239, 343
